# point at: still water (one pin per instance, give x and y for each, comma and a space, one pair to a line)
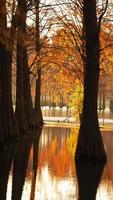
43, 168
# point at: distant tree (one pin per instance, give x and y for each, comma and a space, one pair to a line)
76, 101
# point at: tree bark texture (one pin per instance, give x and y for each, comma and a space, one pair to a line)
26, 77
38, 112
37, 109
8, 123
27, 90
20, 107
90, 144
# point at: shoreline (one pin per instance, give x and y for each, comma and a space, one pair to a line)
106, 127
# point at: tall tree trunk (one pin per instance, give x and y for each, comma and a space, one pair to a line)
20, 108
38, 112
90, 144
8, 122
26, 78
27, 90
0, 81
37, 109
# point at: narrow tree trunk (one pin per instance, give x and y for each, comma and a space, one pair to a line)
26, 77
20, 109
37, 109
0, 79
100, 102
38, 112
0, 83
27, 91
90, 145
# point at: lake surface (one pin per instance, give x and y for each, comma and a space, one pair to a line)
43, 168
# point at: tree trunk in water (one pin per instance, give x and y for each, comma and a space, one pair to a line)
37, 109
20, 109
88, 175
26, 77
0, 83
90, 144
38, 112
8, 122
27, 91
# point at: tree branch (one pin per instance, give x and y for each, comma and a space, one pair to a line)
101, 16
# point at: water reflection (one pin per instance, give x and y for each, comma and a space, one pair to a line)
89, 175
20, 166
6, 158
35, 163
41, 166
106, 185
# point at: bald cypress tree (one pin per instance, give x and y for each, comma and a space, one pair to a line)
7, 119
90, 144
20, 106
37, 109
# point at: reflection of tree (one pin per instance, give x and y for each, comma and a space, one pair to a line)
58, 158
89, 175
72, 141
35, 162
6, 158
108, 172
20, 166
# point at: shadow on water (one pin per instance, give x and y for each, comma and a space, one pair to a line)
29, 168
89, 176
20, 166
35, 162
15, 159
21, 163
6, 159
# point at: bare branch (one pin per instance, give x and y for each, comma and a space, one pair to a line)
101, 16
